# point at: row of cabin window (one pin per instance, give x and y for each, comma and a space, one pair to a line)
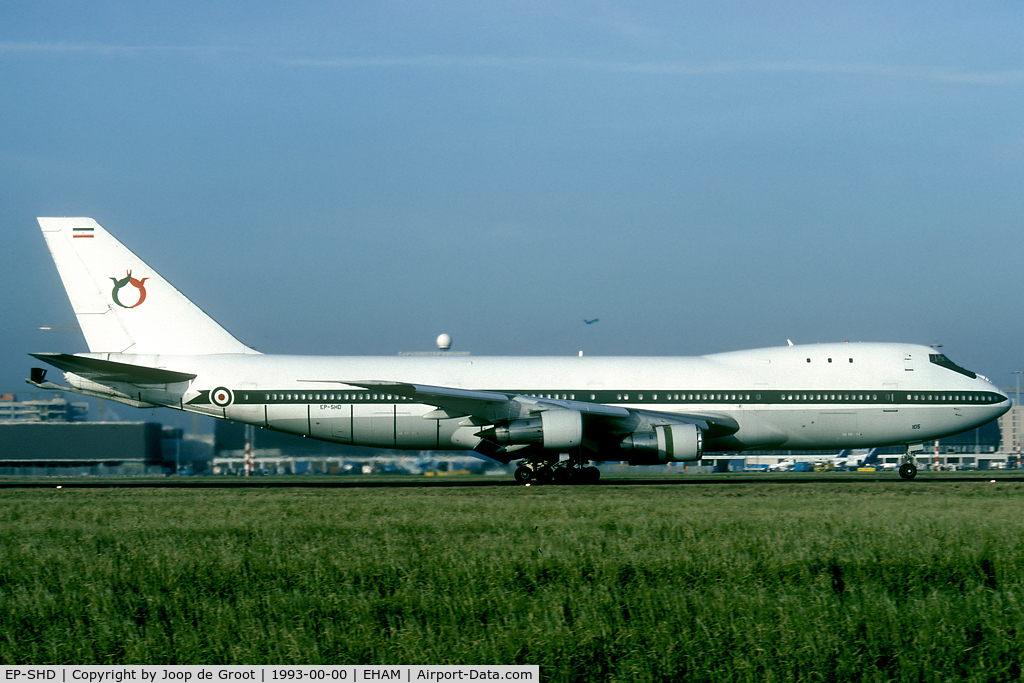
668, 397
833, 397
971, 398
334, 397
690, 397
956, 398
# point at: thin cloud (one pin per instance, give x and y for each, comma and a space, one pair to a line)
669, 68
938, 74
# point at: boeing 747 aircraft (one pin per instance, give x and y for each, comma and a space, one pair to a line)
151, 346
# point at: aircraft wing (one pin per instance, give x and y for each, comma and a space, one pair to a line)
494, 407
491, 406
713, 424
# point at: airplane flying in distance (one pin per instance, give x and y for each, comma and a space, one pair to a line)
151, 346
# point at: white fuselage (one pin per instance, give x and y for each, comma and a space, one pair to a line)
799, 397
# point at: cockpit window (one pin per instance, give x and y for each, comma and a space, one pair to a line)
941, 360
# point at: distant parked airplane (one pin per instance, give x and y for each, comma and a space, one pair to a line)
151, 346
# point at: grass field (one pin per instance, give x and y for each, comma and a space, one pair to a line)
741, 582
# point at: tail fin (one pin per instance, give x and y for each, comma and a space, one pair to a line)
122, 305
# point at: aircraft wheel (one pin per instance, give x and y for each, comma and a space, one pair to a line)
908, 470
523, 474
543, 475
590, 475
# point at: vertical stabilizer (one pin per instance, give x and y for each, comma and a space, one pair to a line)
123, 305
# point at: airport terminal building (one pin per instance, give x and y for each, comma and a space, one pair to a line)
52, 437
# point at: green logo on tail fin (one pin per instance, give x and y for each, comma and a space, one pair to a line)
134, 282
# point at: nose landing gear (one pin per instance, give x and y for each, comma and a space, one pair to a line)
908, 470
908, 462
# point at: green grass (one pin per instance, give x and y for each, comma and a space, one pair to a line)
743, 582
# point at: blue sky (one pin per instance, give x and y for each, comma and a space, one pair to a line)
356, 178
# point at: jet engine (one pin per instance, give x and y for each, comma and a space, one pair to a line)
665, 443
554, 429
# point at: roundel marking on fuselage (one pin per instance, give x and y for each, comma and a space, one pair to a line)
222, 397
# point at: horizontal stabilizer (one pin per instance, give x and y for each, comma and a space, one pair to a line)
108, 371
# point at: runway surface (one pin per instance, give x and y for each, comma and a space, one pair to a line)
331, 482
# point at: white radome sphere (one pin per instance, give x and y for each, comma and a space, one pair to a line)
444, 342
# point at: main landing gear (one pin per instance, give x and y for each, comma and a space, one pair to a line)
543, 470
908, 462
